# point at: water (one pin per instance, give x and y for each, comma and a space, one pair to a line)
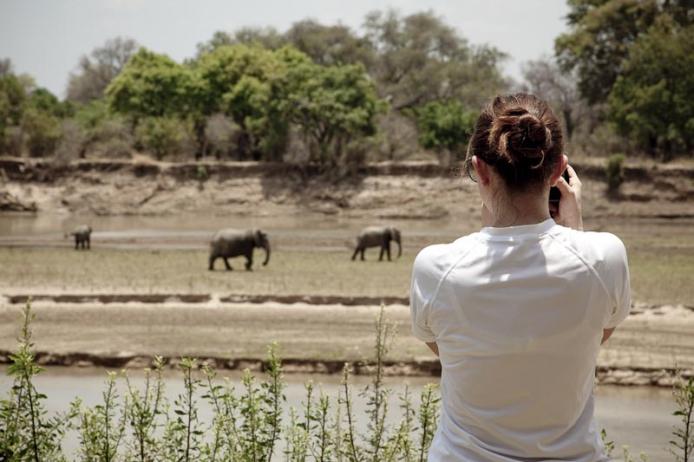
307, 229
639, 417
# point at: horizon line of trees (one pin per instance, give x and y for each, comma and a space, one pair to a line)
403, 88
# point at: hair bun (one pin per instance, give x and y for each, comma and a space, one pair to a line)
520, 137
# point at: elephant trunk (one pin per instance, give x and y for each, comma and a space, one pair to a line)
266, 246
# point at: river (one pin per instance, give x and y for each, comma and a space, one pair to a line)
640, 417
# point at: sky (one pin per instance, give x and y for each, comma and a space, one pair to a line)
46, 38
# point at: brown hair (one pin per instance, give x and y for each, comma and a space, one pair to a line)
520, 137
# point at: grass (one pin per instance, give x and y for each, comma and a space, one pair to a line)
661, 265
48, 270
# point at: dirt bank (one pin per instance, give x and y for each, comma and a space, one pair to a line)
645, 350
384, 190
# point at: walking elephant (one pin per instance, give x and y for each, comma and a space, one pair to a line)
377, 236
228, 243
82, 235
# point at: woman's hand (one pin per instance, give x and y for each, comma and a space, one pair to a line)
569, 211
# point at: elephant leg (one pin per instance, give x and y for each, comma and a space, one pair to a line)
226, 263
249, 262
77, 243
362, 253
388, 251
354, 255
213, 258
380, 255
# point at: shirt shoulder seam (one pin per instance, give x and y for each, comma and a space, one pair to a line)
445, 274
590, 267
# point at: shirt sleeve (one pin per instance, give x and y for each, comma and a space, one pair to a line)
617, 281
422, 290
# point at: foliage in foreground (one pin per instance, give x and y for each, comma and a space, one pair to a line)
250, 421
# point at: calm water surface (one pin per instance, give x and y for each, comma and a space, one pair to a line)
640, 417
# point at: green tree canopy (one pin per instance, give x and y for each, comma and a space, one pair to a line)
330, 105
446, 126
601, 33
651, 101
12, 98
152, 85
247, 83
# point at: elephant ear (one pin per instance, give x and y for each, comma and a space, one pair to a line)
258, 237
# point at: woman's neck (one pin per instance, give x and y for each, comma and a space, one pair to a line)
523, 210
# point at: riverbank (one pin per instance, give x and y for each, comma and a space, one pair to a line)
314, 338
409, 190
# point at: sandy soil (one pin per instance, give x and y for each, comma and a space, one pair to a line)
408, 190
313, 338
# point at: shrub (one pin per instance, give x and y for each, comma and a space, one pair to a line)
164, 136
682, 444
42, 132
446, 127
71, 143
614, 171
246, 424
221, 134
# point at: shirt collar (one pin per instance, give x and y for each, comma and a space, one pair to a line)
534, 229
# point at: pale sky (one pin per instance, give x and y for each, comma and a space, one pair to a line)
45, 38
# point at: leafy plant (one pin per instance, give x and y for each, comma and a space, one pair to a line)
28, 434
139, 424
614, 170
682, 444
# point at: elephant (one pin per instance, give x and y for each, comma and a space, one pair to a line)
82, 235
375, 236
228, 243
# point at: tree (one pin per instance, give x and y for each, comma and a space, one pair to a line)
545, 79
95, 72
651, 99
601, 33
446, 127
266, 37
331, 105
329, 45
248, 84
5, 67
42, 130
43, 100
419, 58
152, 85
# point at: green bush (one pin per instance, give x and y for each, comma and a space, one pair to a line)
164, 136
614, 170
42, 131
446, 127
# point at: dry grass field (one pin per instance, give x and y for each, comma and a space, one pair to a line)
661, 266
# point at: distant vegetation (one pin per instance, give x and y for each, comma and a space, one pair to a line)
403, 87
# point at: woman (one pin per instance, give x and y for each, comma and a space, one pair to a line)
517, 311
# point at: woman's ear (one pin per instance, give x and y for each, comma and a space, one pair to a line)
558, 170
482, 170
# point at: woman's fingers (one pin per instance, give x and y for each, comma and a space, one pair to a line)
564, 187
573, 177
